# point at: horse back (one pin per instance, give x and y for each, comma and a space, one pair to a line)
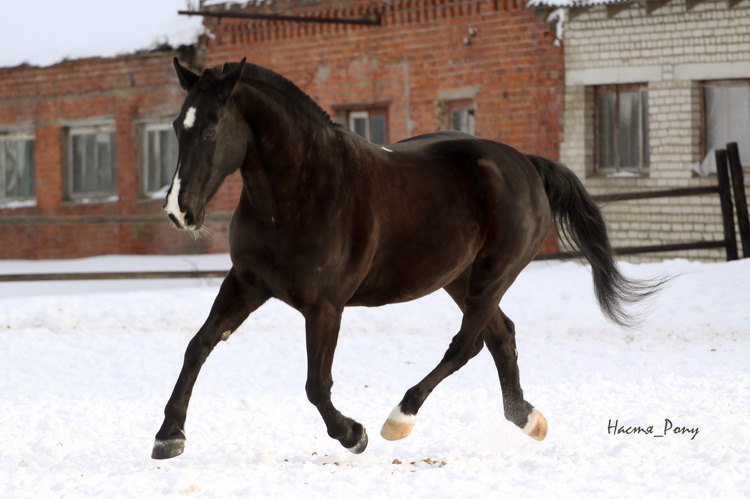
440, 202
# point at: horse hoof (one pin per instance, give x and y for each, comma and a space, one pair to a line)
398, 425
361, 444
536, 425
167, 449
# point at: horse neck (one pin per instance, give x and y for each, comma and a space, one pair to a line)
293, 153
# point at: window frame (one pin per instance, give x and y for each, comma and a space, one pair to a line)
346, 114
82, 129
450, 107
144, 128
17, 135
707, 162
642, 169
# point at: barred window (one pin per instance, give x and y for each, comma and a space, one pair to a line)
726, 118
158, 158
92, 170
371, 122
460, 115
621, 129
17, 183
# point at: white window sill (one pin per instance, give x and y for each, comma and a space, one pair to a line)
160, 194
623, 175
94, 200
16, 204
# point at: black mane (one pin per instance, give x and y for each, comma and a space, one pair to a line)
254, 73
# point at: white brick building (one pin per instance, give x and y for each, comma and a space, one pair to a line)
651, 88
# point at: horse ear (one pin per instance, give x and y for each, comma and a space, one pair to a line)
187, 78
227, 83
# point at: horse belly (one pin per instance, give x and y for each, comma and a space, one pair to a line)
410, 273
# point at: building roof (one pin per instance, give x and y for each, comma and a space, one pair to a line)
572, 3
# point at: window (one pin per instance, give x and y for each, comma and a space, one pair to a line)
92, 172
17, 183
369, 122
158, 158
459, 115
621, 129
726, 118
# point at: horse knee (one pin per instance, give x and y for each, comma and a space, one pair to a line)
318, 392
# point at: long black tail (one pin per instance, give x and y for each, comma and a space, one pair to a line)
580, 223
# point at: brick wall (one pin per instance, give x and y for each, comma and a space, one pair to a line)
413, 63
121, 90
414, 60
672, 48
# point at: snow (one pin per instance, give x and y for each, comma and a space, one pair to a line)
86, 368
44, 32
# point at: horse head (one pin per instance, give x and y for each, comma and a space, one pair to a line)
213, 139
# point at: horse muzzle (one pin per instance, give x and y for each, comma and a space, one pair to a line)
186, 220
182, 211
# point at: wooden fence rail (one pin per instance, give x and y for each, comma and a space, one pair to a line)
728, 167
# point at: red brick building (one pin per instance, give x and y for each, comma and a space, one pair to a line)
86, 149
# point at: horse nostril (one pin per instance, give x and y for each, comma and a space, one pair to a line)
189, 218
174, 220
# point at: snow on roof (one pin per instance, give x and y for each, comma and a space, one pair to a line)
44, 32
572, 3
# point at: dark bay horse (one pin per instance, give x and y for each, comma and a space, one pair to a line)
328, 220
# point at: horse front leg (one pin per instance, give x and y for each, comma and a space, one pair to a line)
236, 300
322, 324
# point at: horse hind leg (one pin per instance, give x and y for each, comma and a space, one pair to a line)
499, 336
464, 346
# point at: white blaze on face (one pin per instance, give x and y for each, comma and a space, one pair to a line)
173, 205
189, 118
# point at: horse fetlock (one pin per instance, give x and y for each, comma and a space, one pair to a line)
398, 425
517, 410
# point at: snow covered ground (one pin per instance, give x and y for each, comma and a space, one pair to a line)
86, 367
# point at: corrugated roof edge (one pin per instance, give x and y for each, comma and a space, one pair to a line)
572, 3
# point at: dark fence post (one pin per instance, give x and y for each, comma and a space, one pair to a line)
727, 213
740, 200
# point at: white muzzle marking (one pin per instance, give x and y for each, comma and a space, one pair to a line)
173, 204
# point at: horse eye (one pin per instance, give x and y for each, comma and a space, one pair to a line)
209, 133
